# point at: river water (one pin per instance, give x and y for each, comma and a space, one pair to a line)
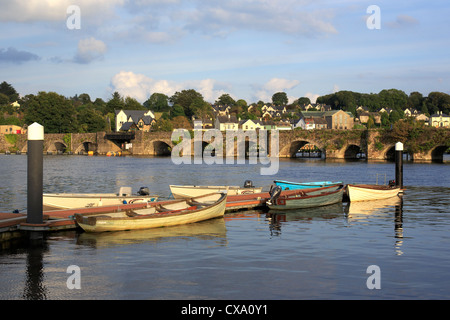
321, 253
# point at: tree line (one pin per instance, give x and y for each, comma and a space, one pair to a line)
80, 113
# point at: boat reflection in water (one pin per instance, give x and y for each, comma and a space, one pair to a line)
213, 229
278, 218
363, 210
360, 209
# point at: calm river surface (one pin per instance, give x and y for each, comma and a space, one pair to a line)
311, 254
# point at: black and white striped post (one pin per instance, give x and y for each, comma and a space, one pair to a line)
399, 164
35, 174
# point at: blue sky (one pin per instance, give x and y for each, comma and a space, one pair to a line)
250, 49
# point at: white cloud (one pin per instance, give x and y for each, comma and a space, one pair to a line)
53, 10
312, 96
89, 50
140, 86
278, 84
273, 86
291, 17
403, 21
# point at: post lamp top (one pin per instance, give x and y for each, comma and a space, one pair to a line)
35, 132
399, 146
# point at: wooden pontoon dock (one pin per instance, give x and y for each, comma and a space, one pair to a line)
14, 225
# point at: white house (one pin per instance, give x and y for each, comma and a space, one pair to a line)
299, 123
124, 116
228, 122
439, 120
250, 125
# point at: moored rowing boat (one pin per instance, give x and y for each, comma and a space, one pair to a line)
157, 215
366, 192
189, 191
57, 201
306, 198
288, 185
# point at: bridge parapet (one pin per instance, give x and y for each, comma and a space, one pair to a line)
423, 144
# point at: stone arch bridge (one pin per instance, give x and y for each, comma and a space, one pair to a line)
335, 144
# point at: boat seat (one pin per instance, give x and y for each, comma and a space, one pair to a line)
162, 209
198, 203
131, 213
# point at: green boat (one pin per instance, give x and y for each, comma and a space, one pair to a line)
306, 198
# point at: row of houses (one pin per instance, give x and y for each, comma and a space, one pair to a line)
133, 120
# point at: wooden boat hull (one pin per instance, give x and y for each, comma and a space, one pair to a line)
363, 192
173, 213
305, 199
288, 185
56, 201
182, 192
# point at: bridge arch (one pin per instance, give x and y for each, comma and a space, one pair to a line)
160, 148
437, 154
85, 147
354, 151
293, 147
57, 146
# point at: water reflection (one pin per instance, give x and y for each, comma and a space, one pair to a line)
206, 230
277, 218
399, 227
34, 288
363, 209
357, 211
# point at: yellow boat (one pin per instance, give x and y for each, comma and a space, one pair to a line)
156, 214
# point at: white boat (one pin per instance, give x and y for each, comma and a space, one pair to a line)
59, 201
157, 215
189, 191
367, 192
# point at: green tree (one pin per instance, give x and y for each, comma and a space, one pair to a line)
177, 110
163, 125
415, 100
394, 99
99, 105
115, 103
242, 103
91, 121
53, 111
158, 102
385, 122
4, 99
280, 99
185, 99
200, 108
303, 101
438, 101
225, 100
132, 104
394, 116
9, 90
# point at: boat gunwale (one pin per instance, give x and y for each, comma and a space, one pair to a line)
91, 218
312, 183
381, 187
304, 194
96, 195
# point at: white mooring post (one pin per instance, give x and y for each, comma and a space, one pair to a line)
399, 164
35, 174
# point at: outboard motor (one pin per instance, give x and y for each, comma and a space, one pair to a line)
144, 191
274, 194
248, 184
391, 183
